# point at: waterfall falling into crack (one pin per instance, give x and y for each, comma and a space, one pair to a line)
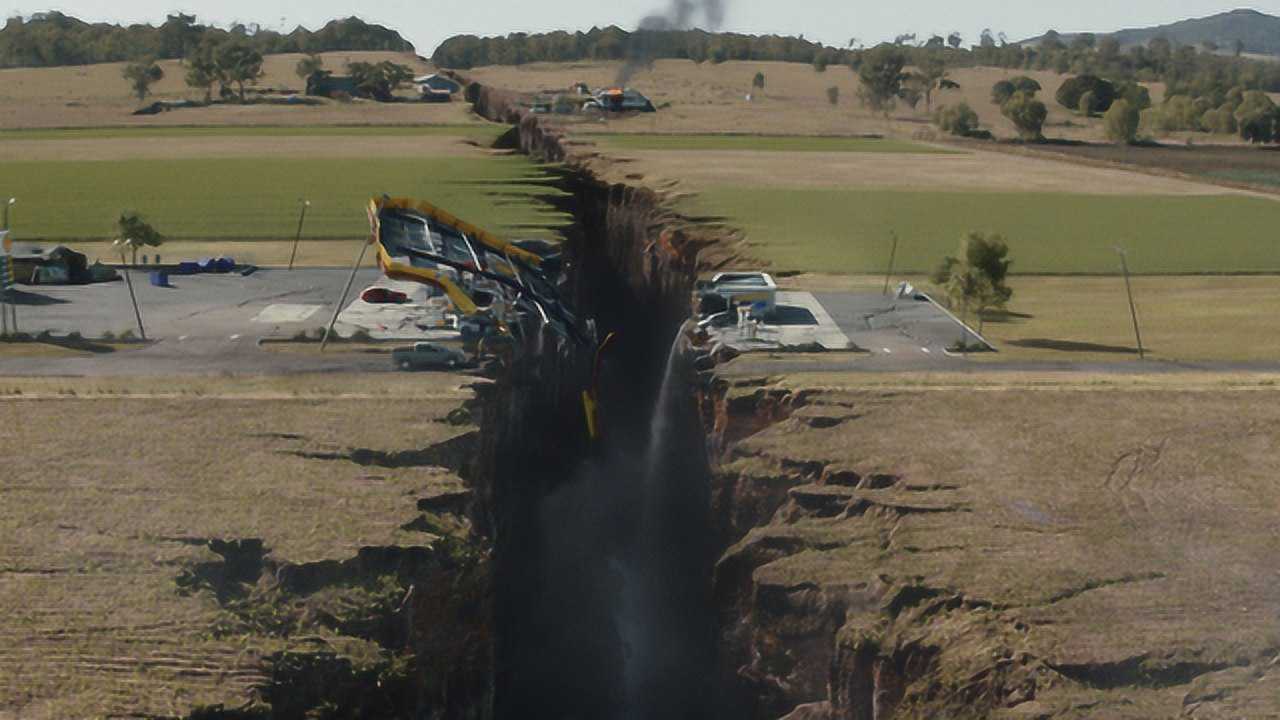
658, 614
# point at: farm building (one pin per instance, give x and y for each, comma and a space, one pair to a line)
437, 88
438, 83
58, 265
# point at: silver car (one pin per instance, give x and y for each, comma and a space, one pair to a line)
427, 356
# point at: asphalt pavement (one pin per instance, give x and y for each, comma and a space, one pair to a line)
202, 324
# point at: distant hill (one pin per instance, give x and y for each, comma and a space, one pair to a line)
1259, 32
51, 39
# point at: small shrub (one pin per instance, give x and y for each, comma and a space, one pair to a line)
1027, 114
1087, 101
833, 95
1221, 121
1122, 122
959, 120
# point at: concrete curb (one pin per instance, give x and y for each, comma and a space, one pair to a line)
957, 321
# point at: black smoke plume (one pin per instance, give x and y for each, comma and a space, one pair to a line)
681, 15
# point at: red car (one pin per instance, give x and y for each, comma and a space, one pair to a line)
383, 296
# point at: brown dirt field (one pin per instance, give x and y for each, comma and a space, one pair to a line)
94, 533
97, 96
336, 146
1225, 163
971, 171
1063, 552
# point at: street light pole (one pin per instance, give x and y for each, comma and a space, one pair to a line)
893, 255
337, 310
128, 281
1133, 309
298, 236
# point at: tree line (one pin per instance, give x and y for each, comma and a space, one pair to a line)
1187, 69
614, 43
54, 39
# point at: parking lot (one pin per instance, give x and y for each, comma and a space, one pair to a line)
213, 323
891, 329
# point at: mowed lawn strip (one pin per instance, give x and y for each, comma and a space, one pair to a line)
848, 231
476, 131
257, 198
766, 143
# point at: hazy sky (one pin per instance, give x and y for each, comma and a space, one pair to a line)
427, 22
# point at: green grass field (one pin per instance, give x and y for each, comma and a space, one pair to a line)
257, 198
478, 131
848, 231
765, 143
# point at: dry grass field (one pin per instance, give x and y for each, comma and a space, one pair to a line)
97, 96
712, 98
113, 489
1079, 551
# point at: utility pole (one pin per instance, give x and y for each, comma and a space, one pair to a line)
337, 310
1133, 309
4, 284
893, 254
7, 308
128, 281
298, 236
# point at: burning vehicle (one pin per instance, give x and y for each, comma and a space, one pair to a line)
620, 100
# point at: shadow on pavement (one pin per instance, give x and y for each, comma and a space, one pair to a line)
30, 299
1072, 346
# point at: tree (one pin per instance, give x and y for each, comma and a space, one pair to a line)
1122, 122
1256, 118
1024, 84
202, 68
1135, 94
309, 66
1002, 91
1238, 48
141, 76
933, 76
955, 40
758, 81
379, 80
239, 63
833, 95
132, 227
1104, 93
975, 278
959, 120
1222, 120
1027, 114
1005, 89
881, 75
